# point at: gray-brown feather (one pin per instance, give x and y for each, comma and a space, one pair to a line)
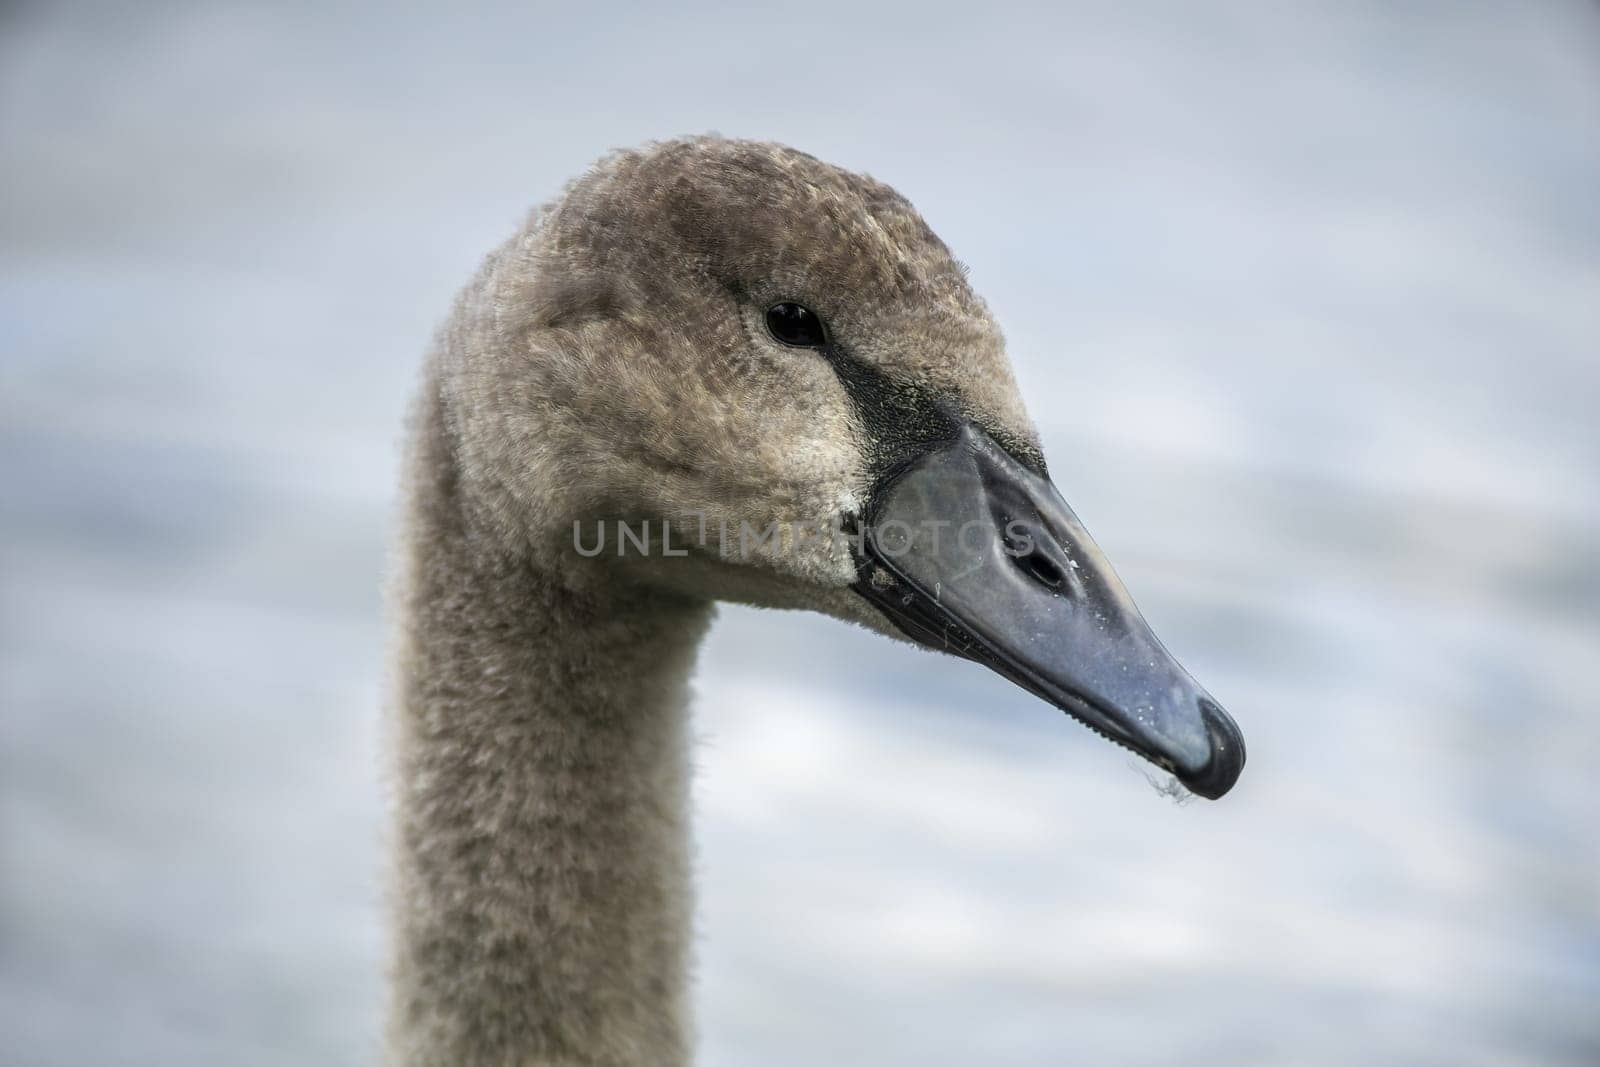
609, 362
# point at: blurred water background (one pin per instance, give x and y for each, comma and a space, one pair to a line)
1305, 299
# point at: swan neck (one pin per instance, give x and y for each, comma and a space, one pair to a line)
543, 859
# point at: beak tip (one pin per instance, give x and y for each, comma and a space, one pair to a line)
1226, 761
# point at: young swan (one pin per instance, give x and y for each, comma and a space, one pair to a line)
776, 368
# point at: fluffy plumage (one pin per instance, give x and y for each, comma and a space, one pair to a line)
610, 361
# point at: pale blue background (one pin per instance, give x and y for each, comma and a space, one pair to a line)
1304, 297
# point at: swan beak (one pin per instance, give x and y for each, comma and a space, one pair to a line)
968, 551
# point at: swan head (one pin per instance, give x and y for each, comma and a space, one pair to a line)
727, 370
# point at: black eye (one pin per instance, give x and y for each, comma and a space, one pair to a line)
796, 325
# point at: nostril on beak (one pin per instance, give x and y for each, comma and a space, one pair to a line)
1042, 569
1034, 563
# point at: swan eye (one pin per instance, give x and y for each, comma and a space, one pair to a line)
796, 325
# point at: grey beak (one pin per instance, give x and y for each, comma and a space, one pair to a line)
970, 552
